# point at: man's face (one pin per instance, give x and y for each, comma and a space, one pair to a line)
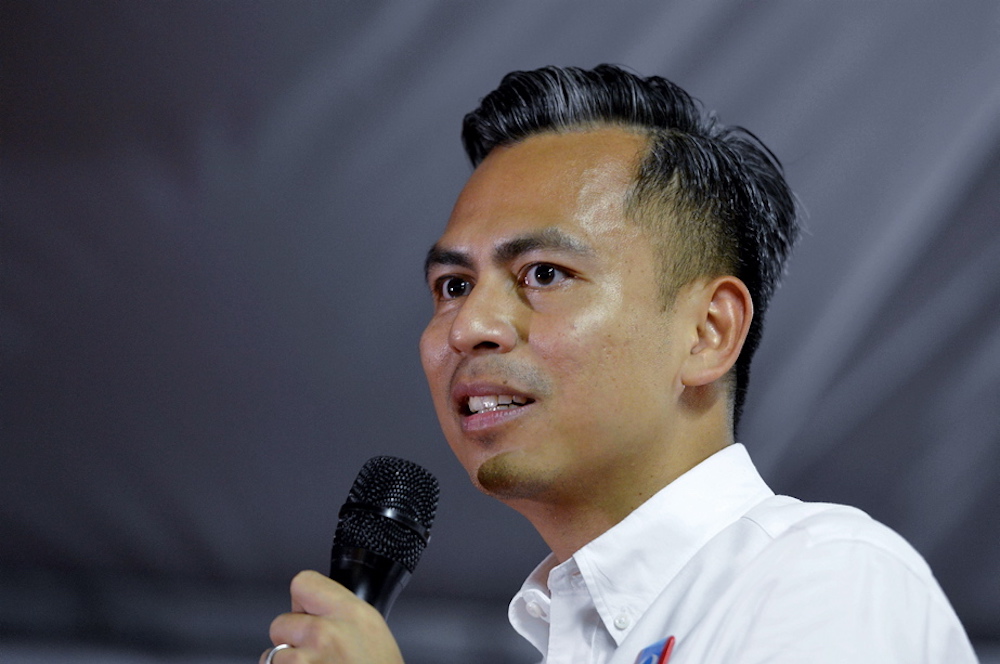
550, 356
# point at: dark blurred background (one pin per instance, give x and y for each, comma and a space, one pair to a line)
214, 216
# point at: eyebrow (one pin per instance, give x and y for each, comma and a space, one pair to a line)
505, 252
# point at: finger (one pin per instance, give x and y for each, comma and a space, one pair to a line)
321, 596
305, 631
291, 628
315, 638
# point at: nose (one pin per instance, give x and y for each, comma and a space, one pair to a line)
487, 320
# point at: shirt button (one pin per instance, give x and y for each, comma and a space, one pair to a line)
534, 609
622, 621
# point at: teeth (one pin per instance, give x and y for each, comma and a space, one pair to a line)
489, 403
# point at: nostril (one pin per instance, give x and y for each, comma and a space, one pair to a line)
481, 326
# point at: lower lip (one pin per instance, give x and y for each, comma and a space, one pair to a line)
481, 421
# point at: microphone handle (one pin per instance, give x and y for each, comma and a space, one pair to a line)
376, 579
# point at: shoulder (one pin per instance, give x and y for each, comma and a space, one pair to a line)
830, 572
794, 582
813, 529
807, 532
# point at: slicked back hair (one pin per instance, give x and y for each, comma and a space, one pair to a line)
714, 196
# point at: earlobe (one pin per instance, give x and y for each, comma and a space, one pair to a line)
722, 310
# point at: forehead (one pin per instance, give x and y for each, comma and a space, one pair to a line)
573, 182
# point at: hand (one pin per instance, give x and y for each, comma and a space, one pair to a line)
330, 625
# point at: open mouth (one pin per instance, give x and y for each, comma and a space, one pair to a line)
494, 402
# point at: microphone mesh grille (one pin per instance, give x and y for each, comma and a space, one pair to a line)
389, 482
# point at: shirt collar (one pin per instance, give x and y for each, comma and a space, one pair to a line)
628, 566
528, 612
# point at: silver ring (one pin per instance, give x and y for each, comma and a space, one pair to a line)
270, 654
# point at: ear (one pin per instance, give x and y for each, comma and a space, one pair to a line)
722, 310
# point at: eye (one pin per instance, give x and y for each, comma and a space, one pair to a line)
540, 275
449, 288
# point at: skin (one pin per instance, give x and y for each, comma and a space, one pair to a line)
545, 291
328, 623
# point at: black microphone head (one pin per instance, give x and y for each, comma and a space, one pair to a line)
389, 510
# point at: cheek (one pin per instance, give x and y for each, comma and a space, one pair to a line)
438, 362
612, 355
584, 348
434, 348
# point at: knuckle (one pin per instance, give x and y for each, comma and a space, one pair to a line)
274, 631
317, 634
301, 580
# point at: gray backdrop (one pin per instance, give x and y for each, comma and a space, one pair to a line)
214, 215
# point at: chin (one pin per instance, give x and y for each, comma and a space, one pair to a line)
502, 477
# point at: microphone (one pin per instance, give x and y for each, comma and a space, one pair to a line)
383, 529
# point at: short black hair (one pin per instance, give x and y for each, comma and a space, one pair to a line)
720, 187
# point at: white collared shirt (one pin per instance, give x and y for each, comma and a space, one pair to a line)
739, 575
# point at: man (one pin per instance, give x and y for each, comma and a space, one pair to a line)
598, 293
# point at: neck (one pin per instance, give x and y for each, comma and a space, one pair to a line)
572, 510
568, 520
